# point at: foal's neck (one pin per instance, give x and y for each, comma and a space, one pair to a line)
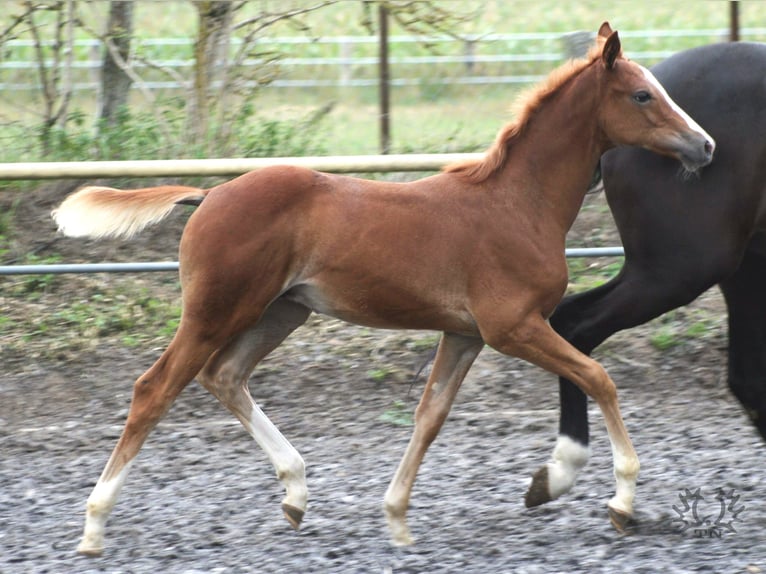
556, 156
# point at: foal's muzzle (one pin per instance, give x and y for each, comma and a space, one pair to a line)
696, 151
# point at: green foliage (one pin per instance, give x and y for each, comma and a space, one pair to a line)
398, 414
379, 375
684, 326
665, 338
137, 135
121, 312
586, 273
258, 137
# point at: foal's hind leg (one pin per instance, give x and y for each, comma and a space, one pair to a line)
454, 357
225, 376
153, 393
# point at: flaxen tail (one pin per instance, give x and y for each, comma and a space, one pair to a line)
106, 212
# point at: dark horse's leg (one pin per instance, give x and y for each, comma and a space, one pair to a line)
681, 236
667, 265
635, 296
745, 294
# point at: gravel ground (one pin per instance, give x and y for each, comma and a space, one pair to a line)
203, 498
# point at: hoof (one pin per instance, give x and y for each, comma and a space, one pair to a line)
622, 521
538, 492
90, 550
402, 541
400, 534
293, 514
397, 527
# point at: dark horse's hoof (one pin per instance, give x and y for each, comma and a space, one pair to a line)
538, 492
293, 514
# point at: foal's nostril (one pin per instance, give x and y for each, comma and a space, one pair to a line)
709, 147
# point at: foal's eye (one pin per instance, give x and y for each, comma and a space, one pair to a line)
642, 97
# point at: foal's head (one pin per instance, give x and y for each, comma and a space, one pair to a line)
636, 110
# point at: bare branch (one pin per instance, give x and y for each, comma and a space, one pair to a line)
267, 19
130, 71
41, 69
68, 53
7, 33
425, 17
120, 61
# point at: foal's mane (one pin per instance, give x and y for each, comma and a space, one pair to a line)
476, 171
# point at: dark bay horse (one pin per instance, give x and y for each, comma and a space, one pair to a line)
476, 252
681, 237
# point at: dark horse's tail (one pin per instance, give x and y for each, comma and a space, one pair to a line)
107, 212
596, 183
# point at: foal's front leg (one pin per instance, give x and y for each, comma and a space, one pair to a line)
454, 357
534, 340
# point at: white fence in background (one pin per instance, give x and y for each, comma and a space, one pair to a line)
349, 70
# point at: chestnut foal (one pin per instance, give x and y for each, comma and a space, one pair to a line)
476, 252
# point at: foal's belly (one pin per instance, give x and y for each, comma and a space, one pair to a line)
383, 312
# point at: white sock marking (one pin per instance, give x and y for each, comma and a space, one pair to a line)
100, 504
569, 457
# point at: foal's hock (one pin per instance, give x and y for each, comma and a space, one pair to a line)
476, 252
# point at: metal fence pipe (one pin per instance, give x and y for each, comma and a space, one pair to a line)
60, 268
595, 252
138, 267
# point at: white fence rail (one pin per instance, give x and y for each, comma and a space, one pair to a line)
349, 70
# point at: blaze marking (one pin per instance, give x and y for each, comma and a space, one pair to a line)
694, 126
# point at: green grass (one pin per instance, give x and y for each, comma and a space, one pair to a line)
398, 414
586, 273
380, 375
59, 315
425, 118
684, 325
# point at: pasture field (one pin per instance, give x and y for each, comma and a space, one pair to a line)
426, 117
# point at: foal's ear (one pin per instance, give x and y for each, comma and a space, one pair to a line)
612, 50
605, 30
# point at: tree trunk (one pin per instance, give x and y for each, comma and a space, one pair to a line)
115, 83
211, 52
55, 70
